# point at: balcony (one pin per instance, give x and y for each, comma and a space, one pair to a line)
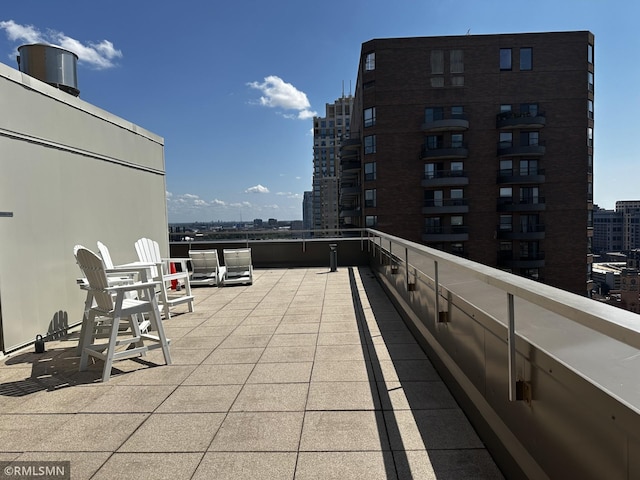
447, 205
454, 233
349, 211
350, 165
508, 149
512, 120
507, 259
443, 178
530, 204
457, 123
351, 142
515, 177
452, 151
523, 232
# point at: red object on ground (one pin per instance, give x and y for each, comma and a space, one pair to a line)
172, 269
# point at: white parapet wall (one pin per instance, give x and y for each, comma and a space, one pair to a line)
71, 173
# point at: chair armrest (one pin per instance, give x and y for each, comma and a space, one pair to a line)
132, 286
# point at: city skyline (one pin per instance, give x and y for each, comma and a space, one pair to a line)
233, 88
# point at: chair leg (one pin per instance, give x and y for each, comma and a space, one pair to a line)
86, 339
156, 324
111, 348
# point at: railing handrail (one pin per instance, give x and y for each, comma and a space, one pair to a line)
581, 310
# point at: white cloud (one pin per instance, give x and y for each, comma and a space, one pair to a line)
289, 194
279, 94
257, 189
190, 195
98, 55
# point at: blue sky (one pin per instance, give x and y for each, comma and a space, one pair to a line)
232, 86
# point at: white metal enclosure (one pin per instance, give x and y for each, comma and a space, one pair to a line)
70, 173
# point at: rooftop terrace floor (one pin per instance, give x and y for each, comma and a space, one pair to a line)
306, 374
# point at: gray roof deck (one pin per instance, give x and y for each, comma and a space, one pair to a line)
305, 374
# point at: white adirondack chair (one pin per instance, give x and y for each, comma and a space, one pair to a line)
113, 304
239, 268
206, 269
149, 251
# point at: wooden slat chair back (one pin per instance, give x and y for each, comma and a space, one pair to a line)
149, 251
114, 303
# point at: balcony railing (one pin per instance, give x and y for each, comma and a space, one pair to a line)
516, 176
520, 232
446, 205
508, 204
452, 150
508, 120
512, 150
454, 123
445, 177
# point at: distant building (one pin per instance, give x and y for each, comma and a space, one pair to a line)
630, 211
607, 230
307, 211
328, 131
478, 145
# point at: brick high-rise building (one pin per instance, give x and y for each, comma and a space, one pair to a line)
328, 132
479, 145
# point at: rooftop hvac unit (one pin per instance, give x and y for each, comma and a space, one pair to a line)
53, 65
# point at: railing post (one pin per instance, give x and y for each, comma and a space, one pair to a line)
436, 315
511, 342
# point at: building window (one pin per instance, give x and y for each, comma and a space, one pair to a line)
457, 196
590, 53
456, 61
506, 192
506, 139
370, 221
370, 198
432, 114
529, 139
370, 62
590, 108
506, 224
530, 109
526, 59
457, 140
505, 59
457, 224
528, 167
434, 142
370, 171
590, 81
457, 169
433, 225
437, 82
437, 62
369, 117
505, 108
370, 144
529, 195
506, 167
590, 137
457, 112
433, 198
457, 81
